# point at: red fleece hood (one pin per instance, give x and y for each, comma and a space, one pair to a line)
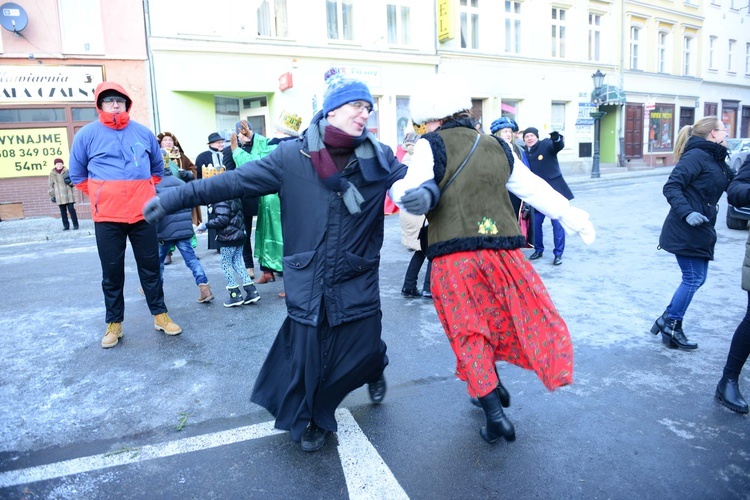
115, 121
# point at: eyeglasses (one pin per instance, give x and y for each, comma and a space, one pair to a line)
361, 105
112, 100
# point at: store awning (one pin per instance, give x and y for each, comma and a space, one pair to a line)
609, 95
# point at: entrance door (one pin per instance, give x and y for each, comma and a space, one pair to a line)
745, 122
633, 131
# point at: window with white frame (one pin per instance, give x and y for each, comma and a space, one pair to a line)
712, 41
557, 121
595, 23
81, 27
399, 22
730, 55
687, 55
661, 54
469, 20
227, 114
339, 19
558, 32
747, 58
513, 27
716, 2
272, 18
635, 34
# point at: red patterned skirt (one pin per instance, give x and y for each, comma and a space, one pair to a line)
494, 307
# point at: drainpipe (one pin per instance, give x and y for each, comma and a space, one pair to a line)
621, 134
151, 75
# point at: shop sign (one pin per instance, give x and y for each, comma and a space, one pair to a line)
43, 84
445, 15
370, 75
30, 152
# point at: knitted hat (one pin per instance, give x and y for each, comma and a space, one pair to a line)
58, 160
342, 90
531, 130
214, 137
504, 122
288, 124
441, 98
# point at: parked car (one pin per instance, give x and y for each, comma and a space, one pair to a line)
737, 217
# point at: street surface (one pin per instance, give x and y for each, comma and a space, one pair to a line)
170, 417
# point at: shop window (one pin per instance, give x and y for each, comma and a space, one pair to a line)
558, 116
373, 121
402, 118
32, 115
227, 114
661, 128
509, 109
84, 114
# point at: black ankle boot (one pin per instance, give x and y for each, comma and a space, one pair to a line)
502, 393
673, 336
498, 424
728, 394
659, 323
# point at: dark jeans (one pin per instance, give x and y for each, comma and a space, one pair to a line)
694, 270
247, 252
558, 234
412, 272
68, 207
111, 241
739, 349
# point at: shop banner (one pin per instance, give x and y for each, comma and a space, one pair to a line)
30, 152
43, 83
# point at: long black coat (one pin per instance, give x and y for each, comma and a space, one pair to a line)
176, 226
249, 202
542, 158
695, 185
331, 257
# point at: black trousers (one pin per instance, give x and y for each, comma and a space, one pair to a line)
247, 251
412, 272
68, 207
111, 241
740, 346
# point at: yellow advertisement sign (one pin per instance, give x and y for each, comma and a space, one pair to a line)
445, 16
30, 152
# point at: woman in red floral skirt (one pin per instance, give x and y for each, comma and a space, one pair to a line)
492, 304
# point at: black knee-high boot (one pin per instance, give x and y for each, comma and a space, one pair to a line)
498, 425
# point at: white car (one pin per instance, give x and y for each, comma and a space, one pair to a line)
738, 150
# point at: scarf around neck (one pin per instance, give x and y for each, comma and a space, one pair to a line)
366, 148
715, 149
115, 121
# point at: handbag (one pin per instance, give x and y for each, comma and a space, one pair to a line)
423, 242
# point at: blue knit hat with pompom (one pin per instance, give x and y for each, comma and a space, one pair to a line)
342, 90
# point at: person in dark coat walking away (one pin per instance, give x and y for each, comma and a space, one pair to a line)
728, 388
229, 223
491, 303
61, 193
542, 157
332, 183
693, 189
177, 230
212, 157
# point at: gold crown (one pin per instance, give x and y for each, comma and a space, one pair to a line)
290, 121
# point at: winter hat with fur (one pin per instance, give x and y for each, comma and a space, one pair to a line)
439, 99
503, 122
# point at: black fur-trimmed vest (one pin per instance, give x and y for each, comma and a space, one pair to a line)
475, 212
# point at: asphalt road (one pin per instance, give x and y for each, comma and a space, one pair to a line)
170, 417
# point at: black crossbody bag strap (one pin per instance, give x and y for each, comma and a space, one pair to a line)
458, 170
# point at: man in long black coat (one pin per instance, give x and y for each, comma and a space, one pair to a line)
331, 183
542, 157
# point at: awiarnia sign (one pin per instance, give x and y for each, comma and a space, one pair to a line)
46, 84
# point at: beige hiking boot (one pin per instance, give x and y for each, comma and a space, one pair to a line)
113, 335
164, 323
206, 295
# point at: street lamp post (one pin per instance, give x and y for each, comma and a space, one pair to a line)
597, 115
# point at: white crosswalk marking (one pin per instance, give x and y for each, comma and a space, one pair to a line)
366, 474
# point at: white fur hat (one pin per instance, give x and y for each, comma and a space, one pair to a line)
440, 98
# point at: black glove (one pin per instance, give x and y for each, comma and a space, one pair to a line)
153, 212
66, 179
696, 219
417, 201
52, 199
555, 136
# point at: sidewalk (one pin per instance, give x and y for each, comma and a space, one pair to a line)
36, 229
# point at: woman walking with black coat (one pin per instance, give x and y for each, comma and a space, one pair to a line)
728, 389
693, 190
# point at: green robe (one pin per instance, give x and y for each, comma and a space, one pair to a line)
269, 243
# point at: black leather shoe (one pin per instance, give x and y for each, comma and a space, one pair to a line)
314, 437
377, 390
557, 261
535, 255
672, 335
426, 294
410, 292
728, 394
